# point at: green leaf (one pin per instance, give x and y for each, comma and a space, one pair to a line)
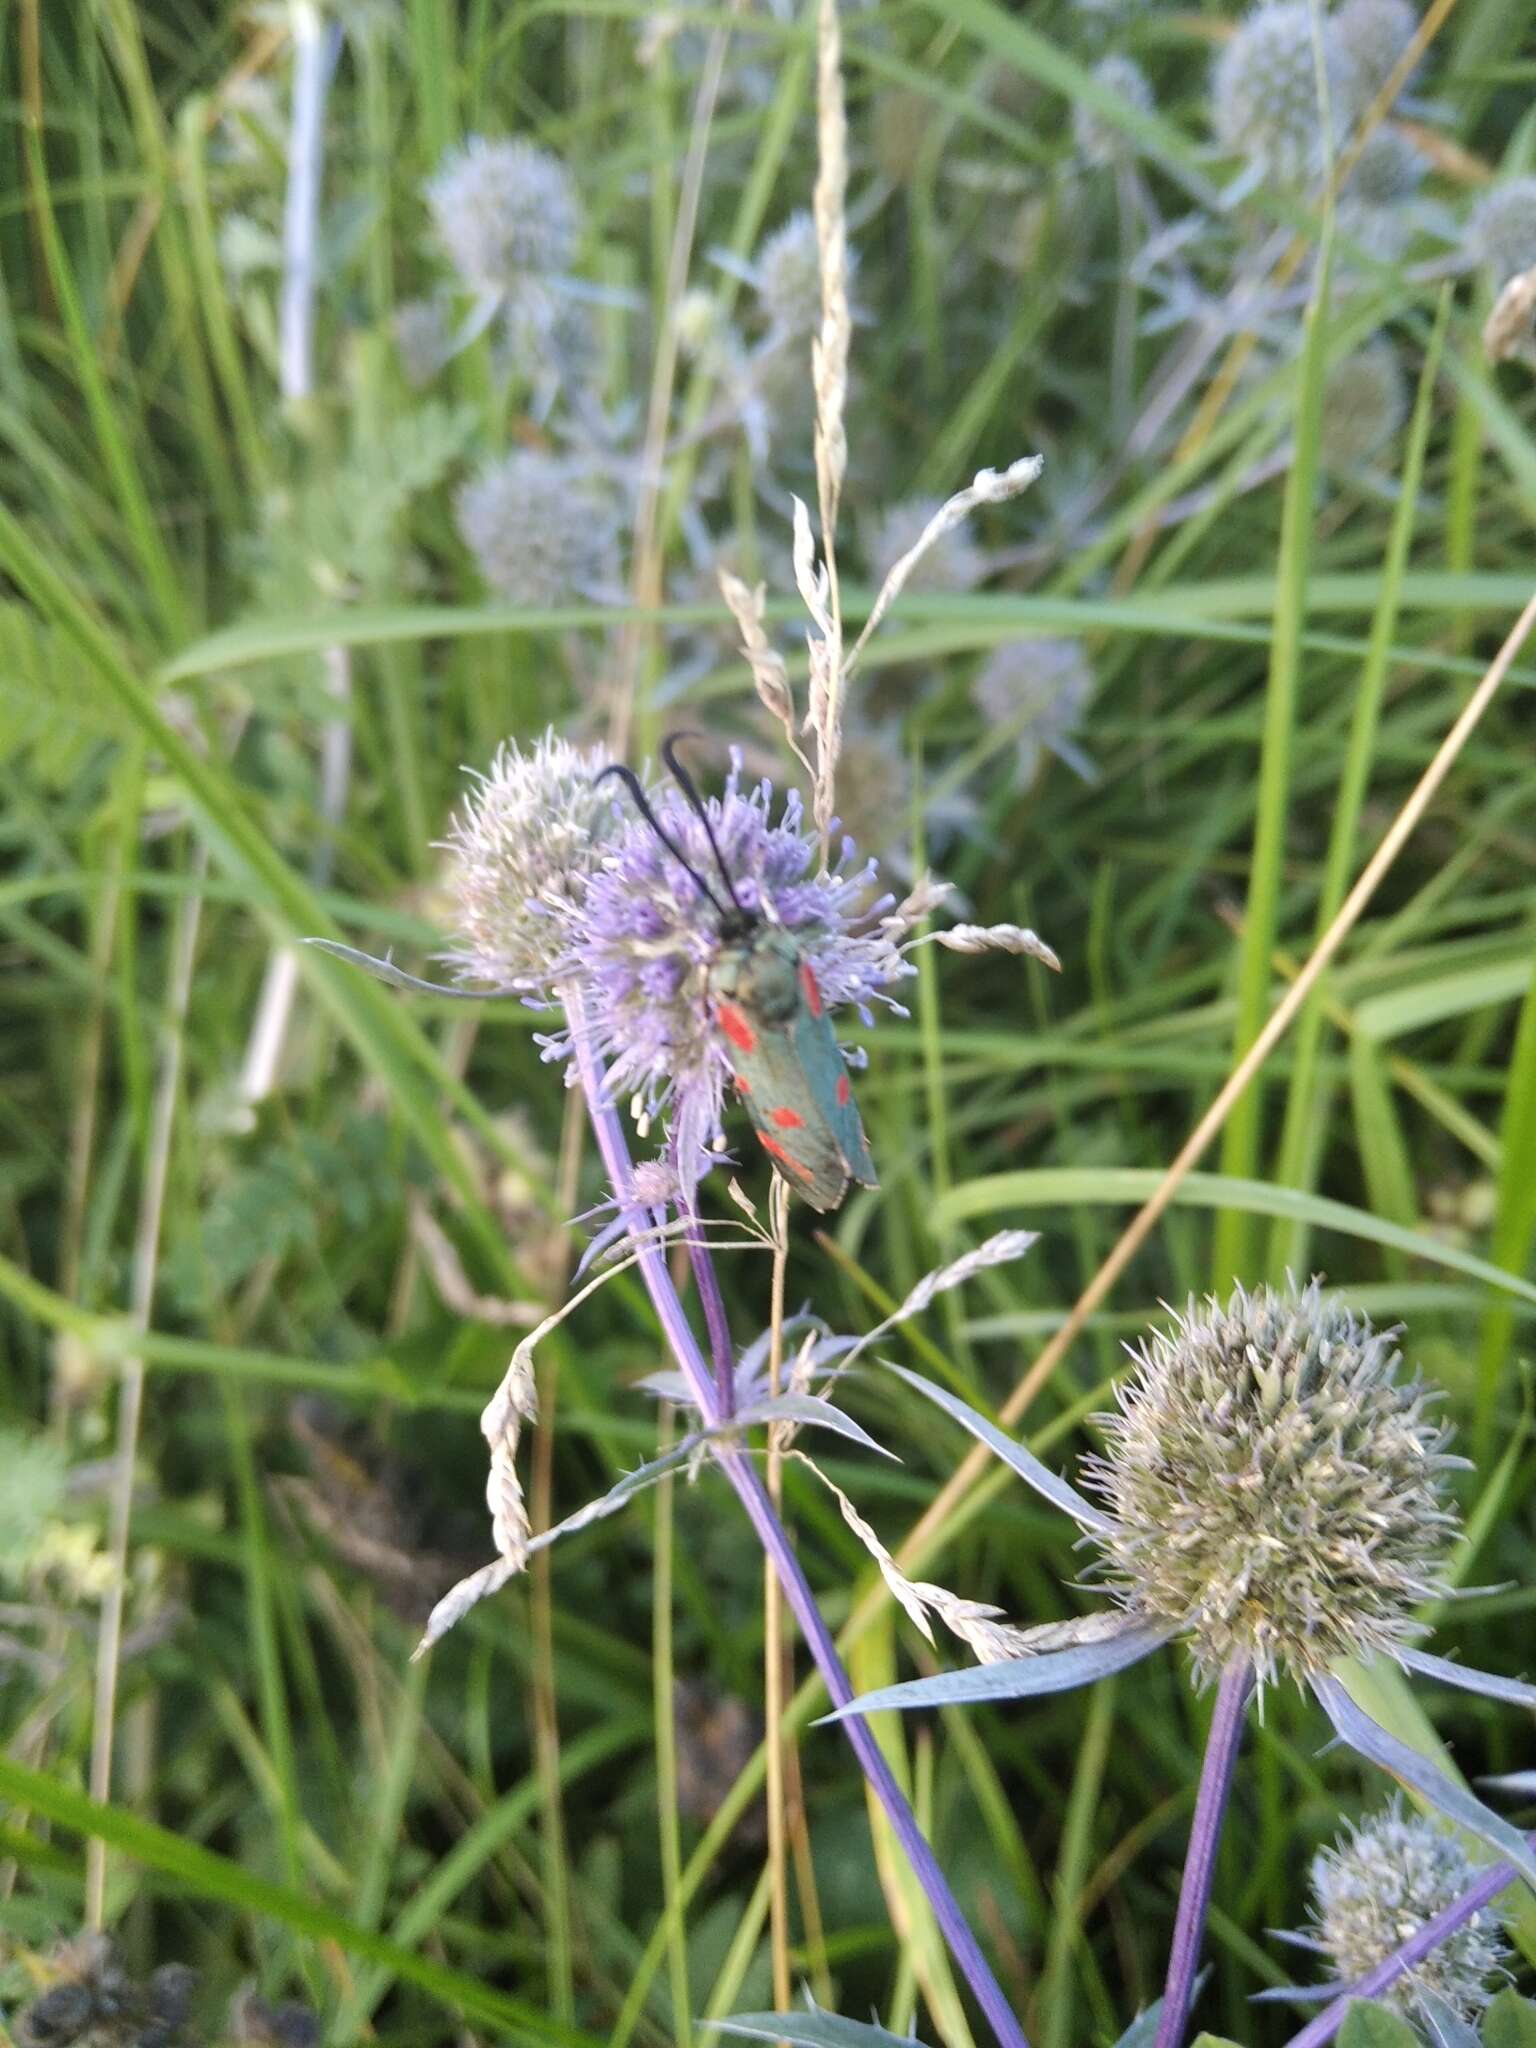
1510, 2021
812, 2029
208, 1876
1367, 2025
1121, 1186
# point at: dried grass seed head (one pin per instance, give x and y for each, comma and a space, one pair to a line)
542, 531
520, 850
1502, 231
1265, 104
504, 211
1276, 1485
1378, 1885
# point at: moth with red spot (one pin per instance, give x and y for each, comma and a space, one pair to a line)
783, 1052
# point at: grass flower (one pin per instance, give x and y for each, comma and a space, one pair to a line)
504, 211
1378, 1886
542, 531
1265, 105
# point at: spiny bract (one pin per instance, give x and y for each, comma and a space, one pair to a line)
1276, 1485
1383, 1881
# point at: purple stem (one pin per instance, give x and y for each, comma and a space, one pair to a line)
1204, 1838
1328, 2022
743, 1476
707, 1280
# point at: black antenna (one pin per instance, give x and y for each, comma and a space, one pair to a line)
631, 782
685, 783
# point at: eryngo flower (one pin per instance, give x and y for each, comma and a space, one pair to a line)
542, 531
1037, 691
787, 273
1098, 141
1383, 1881
1502, 232
646, 937
504, 212
520, 851
1365, 401
1373, 35
953, 563
1265, 103
1275, 1485
1273, 1492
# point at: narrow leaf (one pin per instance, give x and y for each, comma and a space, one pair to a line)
1370, 1740
1515, 1691
811, 1412
1019, 1678
1058, 1491
812, 2029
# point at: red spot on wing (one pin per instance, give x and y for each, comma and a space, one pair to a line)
812, 992
844, 1090
736, 1028
788, 1119
776, 1151
743, 1085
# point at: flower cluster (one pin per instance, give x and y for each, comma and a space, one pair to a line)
1502, 233
1265, 103
1275, 1485
646, 937
505, 213
1037, 691
1365, 402
520, 851
542, 530
1381, 1883
1098, 141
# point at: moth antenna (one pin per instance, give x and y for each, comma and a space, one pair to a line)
631, 782
686, 784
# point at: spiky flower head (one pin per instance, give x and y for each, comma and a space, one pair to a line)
1373, 35
1276, 1485
541, 530
787, 273
1037, 690
504, 212
646, 939
1098, 141
1383, 1881
1265, 104
953, 563
1502, 231
1388, 171
1364, 403
520, 851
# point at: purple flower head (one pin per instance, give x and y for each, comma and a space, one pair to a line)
646, 937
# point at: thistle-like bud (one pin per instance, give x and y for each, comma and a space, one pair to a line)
1373, 35
1365, 402
1098, 141
952, 563
1502, 231
1276, 1485
541, 531
1265, 104
787, 273
504, 212
520, 852
1378, 1885
1038, 690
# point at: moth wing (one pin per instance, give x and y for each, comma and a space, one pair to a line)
791, 1125
826, 1072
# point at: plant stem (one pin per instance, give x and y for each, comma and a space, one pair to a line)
1327, 2023
744, 1478
1204, 1836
